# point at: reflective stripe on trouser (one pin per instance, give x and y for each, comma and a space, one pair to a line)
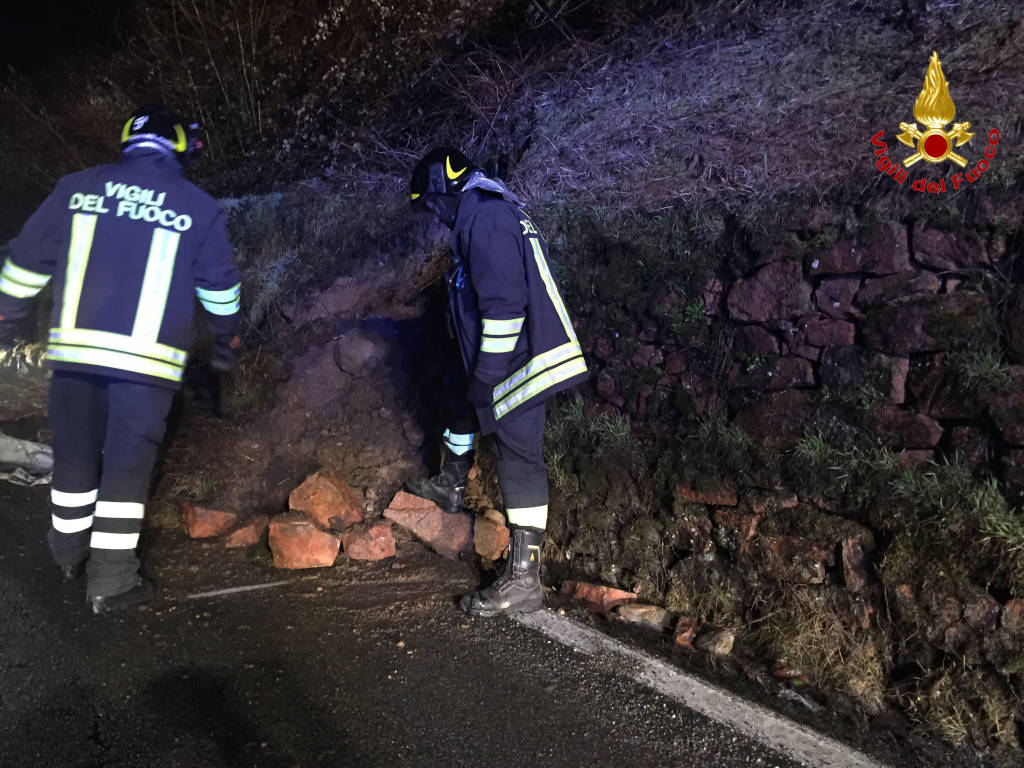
522, 474
122, 422
458, 443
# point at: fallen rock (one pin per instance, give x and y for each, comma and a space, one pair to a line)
325, 498
374, 543
855, 565
724, 497
802, 561
716, 641
249, 534
596, 597
490, 537
204, 523
450, 535
650, 616
297, 543
982, 613
1013, 617
358, 354
686, 629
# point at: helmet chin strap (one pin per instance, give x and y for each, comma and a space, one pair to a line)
446, 207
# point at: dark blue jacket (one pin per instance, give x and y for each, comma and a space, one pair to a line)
510, 321
129, 247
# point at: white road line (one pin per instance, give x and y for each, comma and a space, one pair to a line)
752, 720
233, 590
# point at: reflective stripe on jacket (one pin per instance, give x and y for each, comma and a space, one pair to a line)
510, 320
129, 247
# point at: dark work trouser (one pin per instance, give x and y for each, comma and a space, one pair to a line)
519, 442
106, 435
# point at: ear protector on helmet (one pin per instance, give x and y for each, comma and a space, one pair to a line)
442, 171
154, 126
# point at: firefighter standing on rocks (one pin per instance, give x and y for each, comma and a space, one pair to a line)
518, 348
129, 246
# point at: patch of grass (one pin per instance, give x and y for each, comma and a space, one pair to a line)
983, 371
962, 703
812, 629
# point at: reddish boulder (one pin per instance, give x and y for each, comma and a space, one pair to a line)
606, 388
723, 497
595, 597
204, 523
650, 616
297, 543
835, 296
249, 534
374, 543
822, 332
325, 498
490, 536
1013, 617
904, 429
686, 629
777, 291
450, 535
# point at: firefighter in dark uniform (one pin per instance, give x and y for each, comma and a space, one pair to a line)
518, 348
128, 246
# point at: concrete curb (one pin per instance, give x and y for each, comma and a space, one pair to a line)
752, 720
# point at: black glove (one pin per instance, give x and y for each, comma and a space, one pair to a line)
225, 354
481, 391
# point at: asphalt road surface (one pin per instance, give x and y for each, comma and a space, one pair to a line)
357, 665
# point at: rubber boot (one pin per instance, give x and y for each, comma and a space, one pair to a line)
447, 488
517, 590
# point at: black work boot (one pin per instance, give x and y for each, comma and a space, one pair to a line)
140, 593
447, 488
517, 590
